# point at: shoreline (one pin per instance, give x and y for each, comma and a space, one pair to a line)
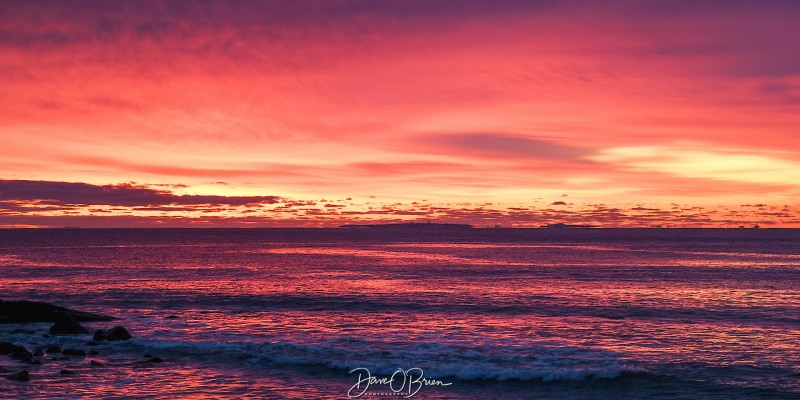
33, 346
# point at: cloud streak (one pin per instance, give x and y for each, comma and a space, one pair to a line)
127, 195
497, 145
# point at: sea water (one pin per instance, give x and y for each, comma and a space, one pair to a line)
446, 313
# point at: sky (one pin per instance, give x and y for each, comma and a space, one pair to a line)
321, 113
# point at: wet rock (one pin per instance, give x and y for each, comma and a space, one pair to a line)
25, 331
92, 343
38, 352
52, 349
74, 352
21, 353
65, 372
171, 317
35, 362
96, 363
22, 376
114, 334
67, 325
155, 360
118, 333
36, 311
5, 348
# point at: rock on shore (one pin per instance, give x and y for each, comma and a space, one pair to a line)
66, 322
114, 334
36, 311
67, 325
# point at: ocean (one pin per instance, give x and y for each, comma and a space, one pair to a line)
427, 313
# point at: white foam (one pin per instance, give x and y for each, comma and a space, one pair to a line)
542, 361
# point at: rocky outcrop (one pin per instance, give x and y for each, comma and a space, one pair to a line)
21, 353
36, 311
45, 351
67, 325
74, 352
5, 348
114, 334
20, 376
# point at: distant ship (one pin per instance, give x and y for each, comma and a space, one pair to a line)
560, 225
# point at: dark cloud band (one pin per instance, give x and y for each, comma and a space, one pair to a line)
125, 195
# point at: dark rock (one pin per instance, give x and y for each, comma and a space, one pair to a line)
118, 333
5, 348
95, 362
146, 355
25, 331
74, 352
36, 311
67, 325
171, 317
93, 352
22, 376
46, 336
38, 352
92, 343
114, 334
66, 372
21, 353
52, 349
155, 360
35, 362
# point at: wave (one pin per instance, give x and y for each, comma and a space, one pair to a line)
535, 305
545, 362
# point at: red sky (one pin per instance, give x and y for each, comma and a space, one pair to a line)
318, 113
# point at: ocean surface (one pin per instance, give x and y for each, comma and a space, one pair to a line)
481, 313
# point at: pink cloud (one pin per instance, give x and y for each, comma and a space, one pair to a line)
408, 100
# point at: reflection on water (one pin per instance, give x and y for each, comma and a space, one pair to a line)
282, 313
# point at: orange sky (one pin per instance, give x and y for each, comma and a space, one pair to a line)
318, 113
